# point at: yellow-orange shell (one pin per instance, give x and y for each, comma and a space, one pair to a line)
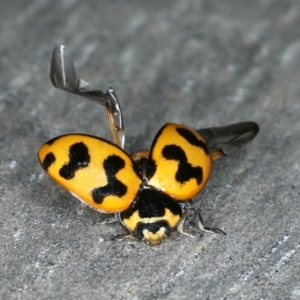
179, 178
56, 154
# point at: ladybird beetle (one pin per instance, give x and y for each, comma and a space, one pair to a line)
149, 191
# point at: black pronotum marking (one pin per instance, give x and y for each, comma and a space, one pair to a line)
48, 161
151, 203
185, 170
112, 165
79, 158
192, 138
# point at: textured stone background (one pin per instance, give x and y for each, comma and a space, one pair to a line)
200, 63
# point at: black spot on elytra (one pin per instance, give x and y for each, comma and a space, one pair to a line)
192, 138
185, 170
112, 165
79, 158
48, 161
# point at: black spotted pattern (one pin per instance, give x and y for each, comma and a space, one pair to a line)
192, 138
112, 165
48, 160
185, 170
79, 158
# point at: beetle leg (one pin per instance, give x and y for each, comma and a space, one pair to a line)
202, 227
109, 221
181, 223
122, 236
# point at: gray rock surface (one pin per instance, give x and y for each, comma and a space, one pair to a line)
200, 63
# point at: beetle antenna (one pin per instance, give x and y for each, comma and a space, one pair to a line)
63, 76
